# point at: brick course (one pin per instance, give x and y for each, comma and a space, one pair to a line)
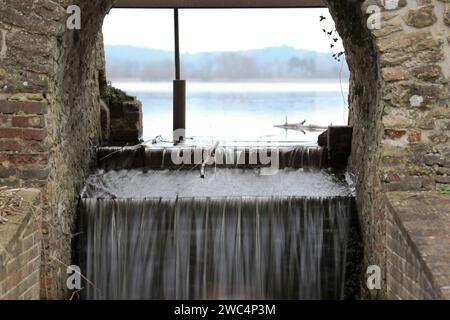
50, 85
28, 107
20, 252
418, 242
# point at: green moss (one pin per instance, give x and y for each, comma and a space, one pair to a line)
443, 189
114, 96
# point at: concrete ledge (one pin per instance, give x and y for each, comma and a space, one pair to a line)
418, 245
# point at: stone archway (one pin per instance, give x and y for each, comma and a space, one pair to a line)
399, 112
50, 80
365, 116
398, 108
75, 130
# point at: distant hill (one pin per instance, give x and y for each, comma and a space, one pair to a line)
284, 62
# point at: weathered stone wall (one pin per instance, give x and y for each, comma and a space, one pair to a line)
398, 104
415, 67
23, 141
74, 127
20, 249
125, 118
365, 117
50, 114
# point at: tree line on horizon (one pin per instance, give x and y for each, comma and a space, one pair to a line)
263, 64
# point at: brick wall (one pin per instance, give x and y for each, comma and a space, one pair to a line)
406, 278
20, 252
23, 149
398, 104
50, 78
417, 237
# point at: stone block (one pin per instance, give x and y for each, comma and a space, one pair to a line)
28, 107
126, 122
339, 146
323, 139
422, 17
27, 159
441, 113
447, 14
443, 179
395, 74
438, 138
10, 145
34, 134
34, 174
434, 159
10, 133
28, 121
427, 72
414, 136
397, 42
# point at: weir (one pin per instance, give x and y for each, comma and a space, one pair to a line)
222, 248
143, 157
151, 231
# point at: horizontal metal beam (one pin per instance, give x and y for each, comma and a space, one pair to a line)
219, 4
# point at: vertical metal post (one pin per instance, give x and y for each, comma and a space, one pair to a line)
177, 46
179, 92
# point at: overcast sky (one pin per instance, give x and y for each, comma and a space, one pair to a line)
220, 29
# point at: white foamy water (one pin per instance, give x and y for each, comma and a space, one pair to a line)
240, 248
136, 184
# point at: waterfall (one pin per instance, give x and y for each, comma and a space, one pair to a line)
278, 247
155, 228
142, 157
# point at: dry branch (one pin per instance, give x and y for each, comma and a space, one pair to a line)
10, 203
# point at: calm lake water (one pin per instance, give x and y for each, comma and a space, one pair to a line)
243, 113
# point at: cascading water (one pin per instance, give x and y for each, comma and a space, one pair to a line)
164, 234
126, 158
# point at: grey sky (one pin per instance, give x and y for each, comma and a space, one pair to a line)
220, 29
